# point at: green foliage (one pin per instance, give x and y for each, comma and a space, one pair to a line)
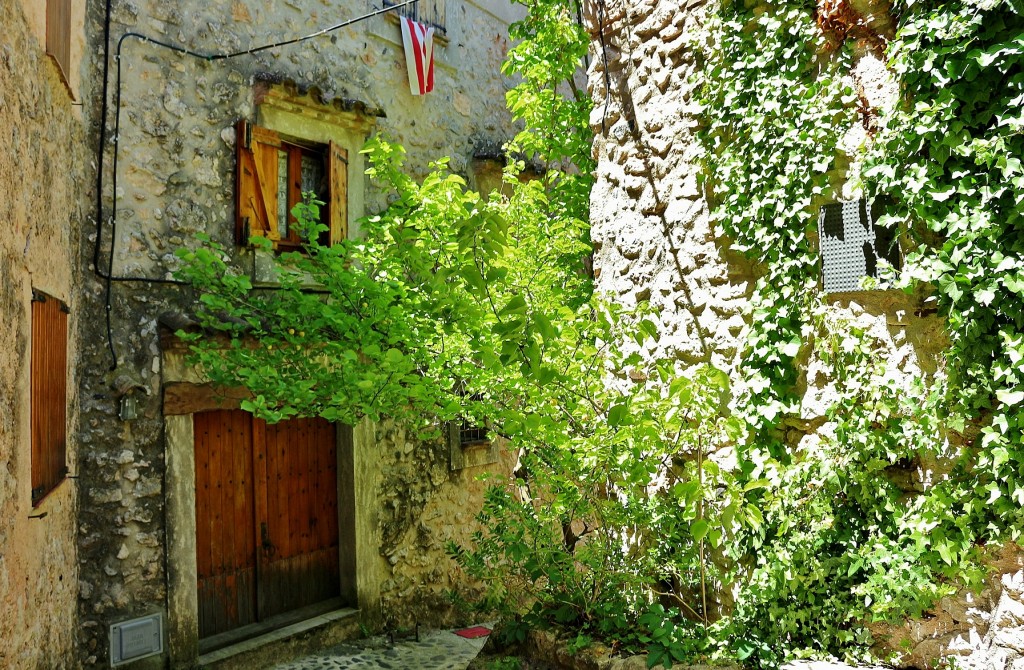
619, 524
845, 540
776, 109
648, 497
953, 154
350, 329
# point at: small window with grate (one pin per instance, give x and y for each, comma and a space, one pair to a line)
471, 444
471, 433
49, 373
853, 245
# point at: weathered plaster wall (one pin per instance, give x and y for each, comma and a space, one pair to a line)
43, 178
654, 244
423, 506
175, 177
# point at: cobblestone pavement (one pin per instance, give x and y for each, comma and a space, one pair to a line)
436, 650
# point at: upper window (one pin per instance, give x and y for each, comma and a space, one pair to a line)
58, 35
429, 12
273, 174
49, 394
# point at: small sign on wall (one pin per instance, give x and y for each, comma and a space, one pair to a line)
137, 638
853, 244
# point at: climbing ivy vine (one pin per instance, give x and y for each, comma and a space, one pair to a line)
846, 538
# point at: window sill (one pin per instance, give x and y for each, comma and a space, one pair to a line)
42, 507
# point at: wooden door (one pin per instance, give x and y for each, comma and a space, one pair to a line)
266, 517
299, 532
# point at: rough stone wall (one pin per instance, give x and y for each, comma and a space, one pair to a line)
44, 174
981, 631
175, 177
654, 245
653, 241
424, 506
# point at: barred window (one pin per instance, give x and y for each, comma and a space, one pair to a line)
428, 12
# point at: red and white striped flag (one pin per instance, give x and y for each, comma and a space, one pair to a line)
419, 55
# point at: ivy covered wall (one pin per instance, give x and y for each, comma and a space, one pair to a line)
882, 423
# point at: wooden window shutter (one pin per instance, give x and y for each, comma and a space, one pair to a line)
49, 362
58, 35
338, 205
256, 182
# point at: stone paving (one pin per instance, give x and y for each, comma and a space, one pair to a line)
445, 650
436, 650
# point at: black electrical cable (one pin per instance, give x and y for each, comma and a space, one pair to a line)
604, 58
579, 22
108, 275
99, 186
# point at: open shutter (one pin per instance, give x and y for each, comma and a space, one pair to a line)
256, 182
338, 205
49, 394
58, 35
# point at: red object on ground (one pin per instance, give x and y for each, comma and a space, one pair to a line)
474, 632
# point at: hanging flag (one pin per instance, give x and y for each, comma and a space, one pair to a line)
418, 40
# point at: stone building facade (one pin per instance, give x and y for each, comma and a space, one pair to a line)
654, 244
169, 167
44, 177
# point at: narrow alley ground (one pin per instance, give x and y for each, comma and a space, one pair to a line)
435, 650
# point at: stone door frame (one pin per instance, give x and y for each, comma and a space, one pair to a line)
357, 520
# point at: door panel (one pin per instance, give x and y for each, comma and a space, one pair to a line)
300, 565
225, 552
266, 517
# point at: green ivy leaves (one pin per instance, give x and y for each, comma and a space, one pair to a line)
950, 157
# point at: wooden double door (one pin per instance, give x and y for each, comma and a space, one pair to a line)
266, 517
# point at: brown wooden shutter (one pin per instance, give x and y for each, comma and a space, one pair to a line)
256, 182
58, 35
338, 204
49, 394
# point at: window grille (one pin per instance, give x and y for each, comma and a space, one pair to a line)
852, 244
472, 433
428, 12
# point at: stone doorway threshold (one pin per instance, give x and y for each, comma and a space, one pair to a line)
280, 638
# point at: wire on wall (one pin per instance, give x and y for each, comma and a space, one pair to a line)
108, 274
604, 59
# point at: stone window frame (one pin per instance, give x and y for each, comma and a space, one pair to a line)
344, 124
258, 185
